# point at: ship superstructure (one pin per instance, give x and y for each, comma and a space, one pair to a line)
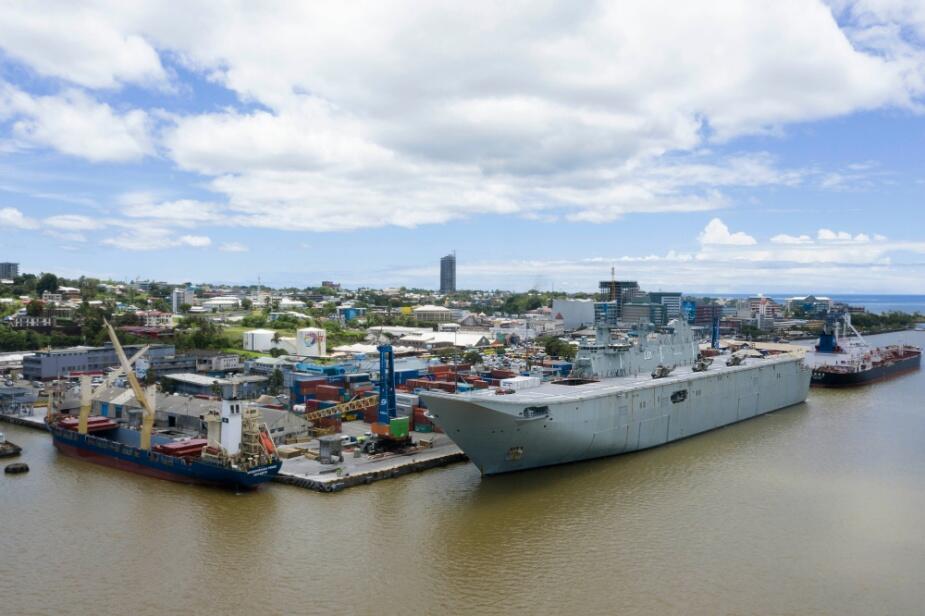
623, 395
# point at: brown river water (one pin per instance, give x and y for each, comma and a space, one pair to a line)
815, 509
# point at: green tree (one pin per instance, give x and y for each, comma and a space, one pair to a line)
472, 357
275, 383
150, 377
48, 282
246, 304
556, 347
35, 308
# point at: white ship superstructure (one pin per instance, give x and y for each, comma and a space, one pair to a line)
612, 403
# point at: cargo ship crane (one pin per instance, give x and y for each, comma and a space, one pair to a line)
147, 418
88, 394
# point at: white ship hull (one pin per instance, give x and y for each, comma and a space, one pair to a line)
555, 424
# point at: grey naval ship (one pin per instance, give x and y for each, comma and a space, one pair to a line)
622, 395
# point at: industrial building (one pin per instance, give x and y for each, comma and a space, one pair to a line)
17, 401
433, 314
187, 412
244, 387
576, 313
448, 273
308, 341
46, 365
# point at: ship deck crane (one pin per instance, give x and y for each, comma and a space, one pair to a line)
147, 418
88, 394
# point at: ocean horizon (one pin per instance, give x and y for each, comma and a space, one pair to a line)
872, 302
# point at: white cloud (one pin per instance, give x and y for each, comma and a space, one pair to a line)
197, 241
75, 124
81, 44
805, 265
233, 247
72, 222
717, 233
550, 111
783, 238
827, 235
146, 238
12, 218
181, 212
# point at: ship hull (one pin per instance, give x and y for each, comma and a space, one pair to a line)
498, 438
824, 378
132, 459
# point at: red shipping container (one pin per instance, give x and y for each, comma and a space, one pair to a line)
479, 384
370, 414
329, 392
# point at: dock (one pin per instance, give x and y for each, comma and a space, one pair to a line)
36, 421
308, 473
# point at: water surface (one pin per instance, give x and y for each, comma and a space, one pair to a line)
815, 509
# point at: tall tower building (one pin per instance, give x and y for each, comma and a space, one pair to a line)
448, 273
9, 271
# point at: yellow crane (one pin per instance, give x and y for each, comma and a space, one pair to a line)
88, 394
147, 418
358, 404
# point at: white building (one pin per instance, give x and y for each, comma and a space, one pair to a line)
154, 318
576, 313
222, 303
180, 296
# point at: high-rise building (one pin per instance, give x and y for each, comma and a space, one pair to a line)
670, 300
617, 290
605, 314
448, 273
644, 312
9, 271
180, 296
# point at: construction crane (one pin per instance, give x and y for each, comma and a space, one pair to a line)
147, 418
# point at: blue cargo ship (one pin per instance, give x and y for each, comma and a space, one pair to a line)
191, 461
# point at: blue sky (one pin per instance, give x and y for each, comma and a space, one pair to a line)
743, 147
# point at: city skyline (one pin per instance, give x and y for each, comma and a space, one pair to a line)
556, 144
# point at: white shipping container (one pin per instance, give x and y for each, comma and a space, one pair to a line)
411, 399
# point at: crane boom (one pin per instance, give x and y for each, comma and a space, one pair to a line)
359, 404
147, 418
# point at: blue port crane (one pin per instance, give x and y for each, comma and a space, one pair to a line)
387, 405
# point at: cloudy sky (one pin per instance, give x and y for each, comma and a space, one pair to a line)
744, 146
